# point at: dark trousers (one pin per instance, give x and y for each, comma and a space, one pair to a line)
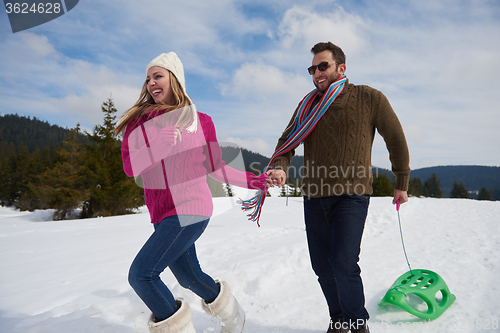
334, 228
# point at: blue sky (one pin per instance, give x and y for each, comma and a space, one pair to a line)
438, 62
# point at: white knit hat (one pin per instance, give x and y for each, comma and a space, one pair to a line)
171, 62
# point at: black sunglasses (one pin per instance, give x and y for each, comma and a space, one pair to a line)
322, 67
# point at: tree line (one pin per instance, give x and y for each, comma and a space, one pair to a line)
384, 187
16, 131
82, 176
431, 187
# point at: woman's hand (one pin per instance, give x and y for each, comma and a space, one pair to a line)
169, 136
177, 135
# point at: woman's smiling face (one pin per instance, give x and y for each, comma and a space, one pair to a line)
158, 85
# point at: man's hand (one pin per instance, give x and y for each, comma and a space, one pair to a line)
402, 196
277, 177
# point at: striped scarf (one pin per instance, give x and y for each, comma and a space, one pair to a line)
302, 126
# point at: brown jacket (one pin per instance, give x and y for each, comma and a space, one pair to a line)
337, 153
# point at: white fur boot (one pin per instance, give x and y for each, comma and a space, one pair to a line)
179, 322
226, 308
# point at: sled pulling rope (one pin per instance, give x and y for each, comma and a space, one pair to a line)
420, 283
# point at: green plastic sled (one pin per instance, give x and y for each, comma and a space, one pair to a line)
424, 284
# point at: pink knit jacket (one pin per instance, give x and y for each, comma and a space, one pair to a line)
174, 172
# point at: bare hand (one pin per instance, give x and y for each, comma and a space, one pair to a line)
402, 196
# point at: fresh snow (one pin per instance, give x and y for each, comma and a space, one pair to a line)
71, 276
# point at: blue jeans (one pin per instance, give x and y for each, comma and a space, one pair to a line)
171, 245
334, 228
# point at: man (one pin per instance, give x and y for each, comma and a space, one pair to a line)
337, 182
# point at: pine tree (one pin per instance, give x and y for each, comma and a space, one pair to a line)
382, 186
284, 191
459, 190
111, 191
7, 190
63, 187
19, 168
484, 194
416, 188
229, 190
433, 187
494, 194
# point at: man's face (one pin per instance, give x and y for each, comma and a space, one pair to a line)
322, 80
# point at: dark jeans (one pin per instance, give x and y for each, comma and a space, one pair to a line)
171, 245
334, 228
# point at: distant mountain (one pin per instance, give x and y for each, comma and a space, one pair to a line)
31, 132
254, 162
474, 176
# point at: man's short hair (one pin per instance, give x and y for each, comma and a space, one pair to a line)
338, 54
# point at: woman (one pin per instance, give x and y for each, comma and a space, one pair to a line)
173, 147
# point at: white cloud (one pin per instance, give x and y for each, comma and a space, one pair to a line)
302, 28
262, 94
38, 44
261, 82
49, 85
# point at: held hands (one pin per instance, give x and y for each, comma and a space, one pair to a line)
276, 177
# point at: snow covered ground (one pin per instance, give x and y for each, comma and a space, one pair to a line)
71, 276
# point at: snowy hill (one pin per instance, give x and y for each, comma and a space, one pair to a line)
71, 276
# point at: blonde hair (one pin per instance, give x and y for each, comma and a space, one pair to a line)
146, 104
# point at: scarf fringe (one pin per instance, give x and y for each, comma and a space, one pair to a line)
255, 205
